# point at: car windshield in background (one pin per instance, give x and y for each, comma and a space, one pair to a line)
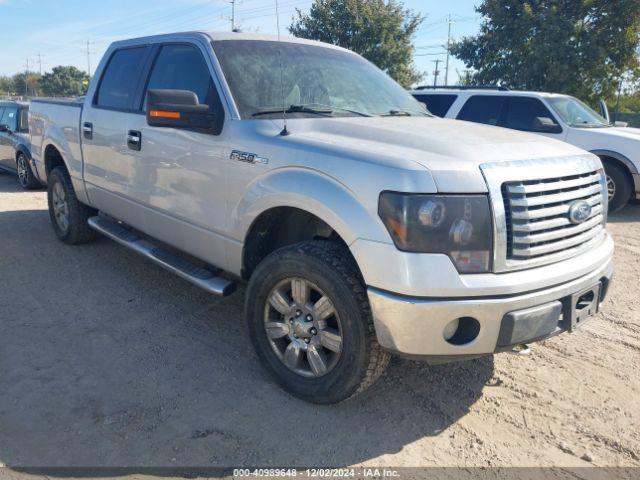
308, 81
577, 114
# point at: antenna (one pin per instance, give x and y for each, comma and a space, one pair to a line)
285, 130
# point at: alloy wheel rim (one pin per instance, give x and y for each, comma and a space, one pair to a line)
22, 171
611, 188
303, 327
60, 207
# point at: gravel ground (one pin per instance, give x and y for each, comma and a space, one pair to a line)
107, 360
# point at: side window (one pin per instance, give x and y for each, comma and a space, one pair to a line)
24, 120
119, 81
10, 118
523, 111
438, 104
182, 67
485, 109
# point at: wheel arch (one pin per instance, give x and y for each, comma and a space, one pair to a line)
618, 158
277, 207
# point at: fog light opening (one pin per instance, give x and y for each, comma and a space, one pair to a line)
462, 331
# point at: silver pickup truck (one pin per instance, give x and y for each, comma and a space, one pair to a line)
363, 225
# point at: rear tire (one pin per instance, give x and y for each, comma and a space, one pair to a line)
347, 358
27, 179
618, 186
68, 216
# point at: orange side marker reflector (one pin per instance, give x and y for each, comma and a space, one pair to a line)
163, 114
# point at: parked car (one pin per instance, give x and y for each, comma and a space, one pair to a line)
556, 116
15, 156
363, 225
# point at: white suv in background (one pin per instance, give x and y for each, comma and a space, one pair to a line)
557, 116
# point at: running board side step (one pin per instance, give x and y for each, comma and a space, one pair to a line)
203, 277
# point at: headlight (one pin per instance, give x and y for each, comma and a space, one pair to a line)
455, 225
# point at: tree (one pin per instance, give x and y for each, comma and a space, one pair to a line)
379, 30
6, 86
64, 82
579, 47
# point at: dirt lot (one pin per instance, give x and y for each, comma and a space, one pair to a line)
107, 360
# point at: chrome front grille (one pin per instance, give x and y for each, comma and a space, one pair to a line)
537, 216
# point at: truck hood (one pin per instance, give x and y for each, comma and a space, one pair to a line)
627, 133
451, 150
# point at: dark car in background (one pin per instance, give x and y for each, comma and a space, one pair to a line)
15, 153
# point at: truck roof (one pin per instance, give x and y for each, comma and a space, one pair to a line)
222, 36
486, 91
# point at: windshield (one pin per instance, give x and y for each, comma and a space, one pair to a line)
577, 114
314, 82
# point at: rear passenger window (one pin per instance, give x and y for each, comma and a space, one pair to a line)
438, 104
119, 82
182, 67
523, 111
485, 109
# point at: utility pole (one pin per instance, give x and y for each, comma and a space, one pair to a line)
446, 77
40, 62
26, 79
89, 52
233, 15
436, 73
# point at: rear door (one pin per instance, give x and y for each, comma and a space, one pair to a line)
486, 109
109, 165
8, 140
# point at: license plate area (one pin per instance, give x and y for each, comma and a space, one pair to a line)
584, 305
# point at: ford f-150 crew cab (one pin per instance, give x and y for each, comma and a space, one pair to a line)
362, 224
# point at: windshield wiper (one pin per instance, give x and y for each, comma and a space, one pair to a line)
293, 109
402, 113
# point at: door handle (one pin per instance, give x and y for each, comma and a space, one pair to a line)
134, 140
87, 130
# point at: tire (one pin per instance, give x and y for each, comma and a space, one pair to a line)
330, 272
619, 184
26, 178
64, 203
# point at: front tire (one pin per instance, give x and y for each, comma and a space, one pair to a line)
311, 325
68, 216
27, 179
618, 187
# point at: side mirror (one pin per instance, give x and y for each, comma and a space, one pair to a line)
4, 128
546, 124
620, 124
178, 109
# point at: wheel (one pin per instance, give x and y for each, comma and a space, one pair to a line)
310, 322
27, 179
618, 187
68, 216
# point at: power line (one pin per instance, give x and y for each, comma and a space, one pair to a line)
39, 55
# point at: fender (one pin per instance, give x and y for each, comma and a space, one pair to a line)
316, 193
618, 156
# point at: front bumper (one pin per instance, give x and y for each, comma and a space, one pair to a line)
414, 327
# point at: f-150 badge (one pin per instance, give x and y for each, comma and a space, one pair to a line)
248, 157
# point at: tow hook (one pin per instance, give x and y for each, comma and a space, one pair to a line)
522, 350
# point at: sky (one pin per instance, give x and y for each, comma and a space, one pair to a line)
47, 33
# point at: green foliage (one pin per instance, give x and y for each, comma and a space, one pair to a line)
579, 47
64, 82
379, 30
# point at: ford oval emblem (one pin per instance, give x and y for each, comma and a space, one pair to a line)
579, 212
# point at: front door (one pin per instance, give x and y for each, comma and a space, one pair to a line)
180, 174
